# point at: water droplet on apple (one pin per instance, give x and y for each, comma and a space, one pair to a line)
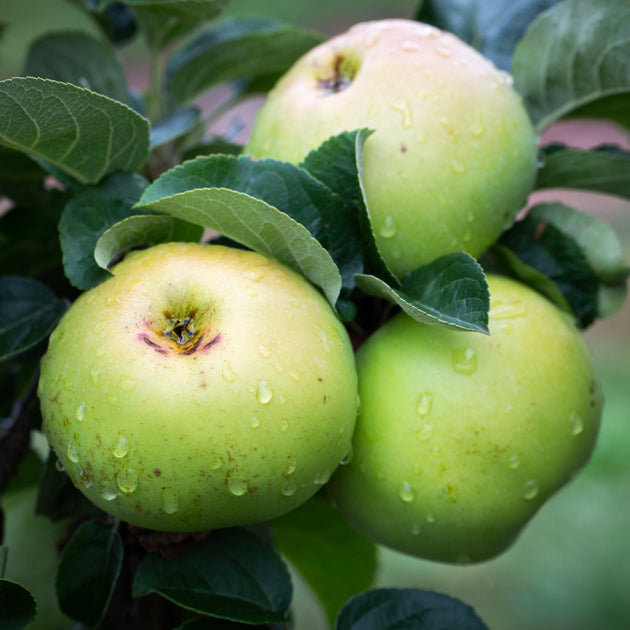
100, 352
321, 335
289, 487
251, 292
406, 492
264, 393
98, 327
425, 432
127, 480
90, 298
216, 463
415, 529
264, 352
457, 166
128, 384
321, 479
443, 51
170, 501
464, 360
108, 493
476, 129
425, 401
121, 448
110, 300
388, 228
59, 466
284, 424
255, 275
80, 412
72, 453
228, 373
347, 458
291, 466
513, 462
84, 479
94, 373
577, 424
254, 423
238, 487
530, 490
507, 310
401, 105
410, 46
295, 376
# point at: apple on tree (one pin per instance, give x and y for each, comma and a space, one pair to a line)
461, 437
453, 155
200, 387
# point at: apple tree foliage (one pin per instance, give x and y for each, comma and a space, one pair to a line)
90, 169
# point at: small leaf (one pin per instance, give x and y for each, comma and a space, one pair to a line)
89, 567
602, 170
451, 291
29, 311
87, 216
256, 225
85, 134
17, 606
493, 27
407, 608
142, 231
336, 561
231, 574
178, 123
573, 54
240, 48
80, 59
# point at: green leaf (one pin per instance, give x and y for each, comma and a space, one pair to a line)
241, 48
85, 134
602, 170
87, 216
493, 27
20, 177
573, 54
231, 574
80, 59
551, 261
178, 123
161, 21
614, 108
407, 608
213, 146
212, 623
253, 223
29, 311
88, 571
451, 291
141, 231
336, 561
17, 606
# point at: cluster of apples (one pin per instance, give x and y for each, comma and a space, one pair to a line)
203, 387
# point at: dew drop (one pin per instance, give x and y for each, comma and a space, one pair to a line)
321, 335
264, 352
98, 327
264, 394
464, 360
425, 402
425, 432
108, 493
80, 412
415, 529
401, 106
84, 479
406, 492
291, 466
289, 487
514, 462
228, 373
94, 373
295, 376
127, 480
347, 458
59, 466
443, 51
293, 301
254, 423
128, 384
321, 479
121, 448
284, 424
476, 129
170, 501
577, 424
255, 275
507, 310
216, 463
409, 46
72, 453
530, 490
251, 292
388, 229
238, 487
110, 300
457, 166
100, 352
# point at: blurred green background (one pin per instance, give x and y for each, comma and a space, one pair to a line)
570, 569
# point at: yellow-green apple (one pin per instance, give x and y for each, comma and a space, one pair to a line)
461, 436
200, 387
453, 154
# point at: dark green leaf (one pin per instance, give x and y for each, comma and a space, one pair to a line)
245, 48
231, 574
161, 21
407, 609
29, 311
115, 20
21, 178
491, 26
544, 256
142, 231
451, 291
90, 213
212, 147
573, 54
336, 561
614, 108
603, 170
89, 567
17, 606
212, 623
80, 59
85, 134
178, 123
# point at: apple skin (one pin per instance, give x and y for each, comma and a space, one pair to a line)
242, 422
461, 436
453, 155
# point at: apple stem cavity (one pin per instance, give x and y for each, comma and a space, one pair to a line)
343, 74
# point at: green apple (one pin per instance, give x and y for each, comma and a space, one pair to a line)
200, 387
453, 155
461, 436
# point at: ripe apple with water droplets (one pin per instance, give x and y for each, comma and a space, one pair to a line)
453, 155
200, 387
461, 436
